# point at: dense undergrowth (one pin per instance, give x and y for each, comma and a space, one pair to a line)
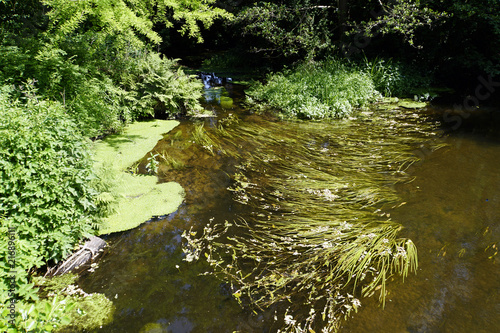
47, 204
334, 88
105, 87
55, 96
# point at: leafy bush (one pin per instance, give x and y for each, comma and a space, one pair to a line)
93, 102
106, 87
46, 200
327, 89
100, 107
58, 75
46, 170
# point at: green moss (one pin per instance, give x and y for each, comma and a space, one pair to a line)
226, 102
90, 312
153, 328
84, 311
411, 104
121, 150
139, 197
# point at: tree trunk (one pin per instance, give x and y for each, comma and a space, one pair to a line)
342, 18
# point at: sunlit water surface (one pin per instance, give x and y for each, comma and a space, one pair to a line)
451, 212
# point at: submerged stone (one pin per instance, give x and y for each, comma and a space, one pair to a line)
153, 328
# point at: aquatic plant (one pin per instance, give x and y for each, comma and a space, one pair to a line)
319, 237
126, 191
334, 89
152, 165
172, 162
210, 143
83, 311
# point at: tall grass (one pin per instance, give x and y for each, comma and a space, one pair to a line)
395, 78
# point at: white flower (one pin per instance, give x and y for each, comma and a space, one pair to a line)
327, 245
401, 252
289, 320
356, 303
345, 225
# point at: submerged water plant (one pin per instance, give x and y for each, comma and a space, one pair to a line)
319, 237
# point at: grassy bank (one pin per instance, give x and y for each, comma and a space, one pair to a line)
53, 196
335, 88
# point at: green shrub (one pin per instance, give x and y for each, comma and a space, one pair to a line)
100, 107
46, 202
93, 103
106, 87
45, 170
327, 89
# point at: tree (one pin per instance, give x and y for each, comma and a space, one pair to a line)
134, 18
312, 28
400, 17
296, 28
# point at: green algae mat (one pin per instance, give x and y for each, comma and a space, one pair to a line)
139, 197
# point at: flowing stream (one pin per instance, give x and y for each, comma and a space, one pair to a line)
447, 200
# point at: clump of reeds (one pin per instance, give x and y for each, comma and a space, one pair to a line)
201, 137
172, 162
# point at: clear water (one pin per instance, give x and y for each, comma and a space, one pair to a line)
451, 212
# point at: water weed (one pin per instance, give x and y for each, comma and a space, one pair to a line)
116, 156
319, 237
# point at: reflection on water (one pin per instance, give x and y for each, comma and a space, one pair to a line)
452, 214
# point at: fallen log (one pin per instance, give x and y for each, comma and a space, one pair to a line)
90, 250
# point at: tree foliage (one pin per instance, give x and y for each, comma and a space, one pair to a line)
400, 17
133, 18
449, 35
301, 27
312, 28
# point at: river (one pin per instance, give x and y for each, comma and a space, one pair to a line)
448, 205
